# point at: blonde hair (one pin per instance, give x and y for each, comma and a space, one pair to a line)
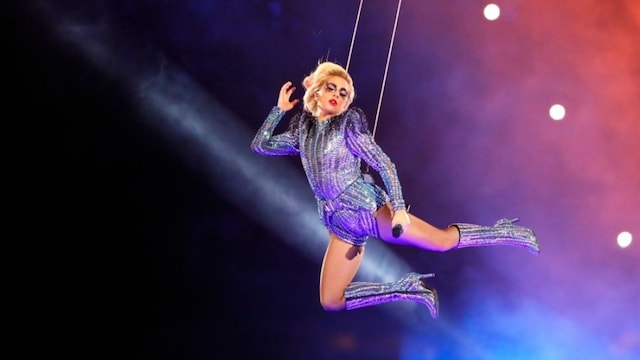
316, 80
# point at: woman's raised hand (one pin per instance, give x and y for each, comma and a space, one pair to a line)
284, 98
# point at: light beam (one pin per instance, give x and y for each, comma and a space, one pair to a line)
268, 190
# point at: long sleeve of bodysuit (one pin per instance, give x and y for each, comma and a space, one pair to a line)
361, 143
330, 151
265, 143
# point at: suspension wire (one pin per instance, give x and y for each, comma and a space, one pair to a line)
353, 37
386, 68
384, 78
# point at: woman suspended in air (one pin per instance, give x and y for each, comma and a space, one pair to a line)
332, 139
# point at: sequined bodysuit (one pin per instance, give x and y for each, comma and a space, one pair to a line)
331, 151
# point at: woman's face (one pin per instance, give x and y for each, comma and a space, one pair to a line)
332, 97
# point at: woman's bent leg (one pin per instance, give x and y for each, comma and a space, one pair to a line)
339, 267
338, 292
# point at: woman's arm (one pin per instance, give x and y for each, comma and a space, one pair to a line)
265, 143
361, 143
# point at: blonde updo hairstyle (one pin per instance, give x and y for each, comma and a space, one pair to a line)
316, 80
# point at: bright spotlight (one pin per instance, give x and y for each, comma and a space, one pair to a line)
557, 112
491, 12
624, 239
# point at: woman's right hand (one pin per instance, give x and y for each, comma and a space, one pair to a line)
284, 98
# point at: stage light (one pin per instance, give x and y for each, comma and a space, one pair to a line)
557, 112
491, 12
624, 239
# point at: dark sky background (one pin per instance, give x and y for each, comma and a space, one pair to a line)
142, 234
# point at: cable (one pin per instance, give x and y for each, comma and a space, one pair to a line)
353, 37
386, 68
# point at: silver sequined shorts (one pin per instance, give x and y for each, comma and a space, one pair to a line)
351, 214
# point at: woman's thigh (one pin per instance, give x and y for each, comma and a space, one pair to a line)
419, 233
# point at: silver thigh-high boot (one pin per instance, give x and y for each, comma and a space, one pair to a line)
504, 232
410, 287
